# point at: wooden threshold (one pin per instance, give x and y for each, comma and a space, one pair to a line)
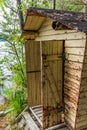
37, 114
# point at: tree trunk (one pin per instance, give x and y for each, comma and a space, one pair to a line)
20, 14
85, 6
54, 4
62, 4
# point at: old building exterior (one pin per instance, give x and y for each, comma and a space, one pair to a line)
56, 67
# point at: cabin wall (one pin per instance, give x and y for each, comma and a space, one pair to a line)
33, 71
46, 33
74, 56
74, 72
81, 122
74, 52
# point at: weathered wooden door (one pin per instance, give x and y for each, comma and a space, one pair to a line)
33, 71
52, 65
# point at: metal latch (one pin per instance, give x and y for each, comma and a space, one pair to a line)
63, 56
62, 108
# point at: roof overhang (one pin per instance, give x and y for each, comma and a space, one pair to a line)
35, 18
33, 21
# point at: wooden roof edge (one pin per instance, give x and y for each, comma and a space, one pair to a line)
29, 33
52, 13
41, 10
73, 20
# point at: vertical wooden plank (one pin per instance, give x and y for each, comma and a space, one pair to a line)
31, 88
33, 69
37, 58
44, 86
38, 87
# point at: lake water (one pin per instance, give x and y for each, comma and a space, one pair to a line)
6, 72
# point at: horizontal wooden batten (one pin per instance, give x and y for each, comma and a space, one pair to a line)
82, 107
56, 32
75, 43
65, 36
71, 86
71, 78
83, 87
76, 51
71, 96
71, 112
69, 121
81, 125
73, 92
83, 100
83, 94
81, 113
73, 106
73, 65
70, 118
76, 73
84, 81
75, 58
52, 57
29, 34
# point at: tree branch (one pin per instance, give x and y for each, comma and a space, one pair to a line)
20, 14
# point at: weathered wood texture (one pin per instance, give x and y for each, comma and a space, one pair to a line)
31, 125
74, 51
46, 32
33, 70
44, 75
71, 19
29, 35
37, 113
33, 22
52, 82
81, 122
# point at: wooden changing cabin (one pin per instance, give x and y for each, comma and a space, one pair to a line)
56, 67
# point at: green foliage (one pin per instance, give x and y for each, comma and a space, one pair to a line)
70, 5
1, 75
16, 99
15, 61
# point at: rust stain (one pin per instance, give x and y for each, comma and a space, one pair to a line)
71, 99
71, 91
49, 109
70, 125
71, 84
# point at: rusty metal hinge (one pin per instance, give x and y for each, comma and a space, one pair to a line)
62, 108
63, 56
